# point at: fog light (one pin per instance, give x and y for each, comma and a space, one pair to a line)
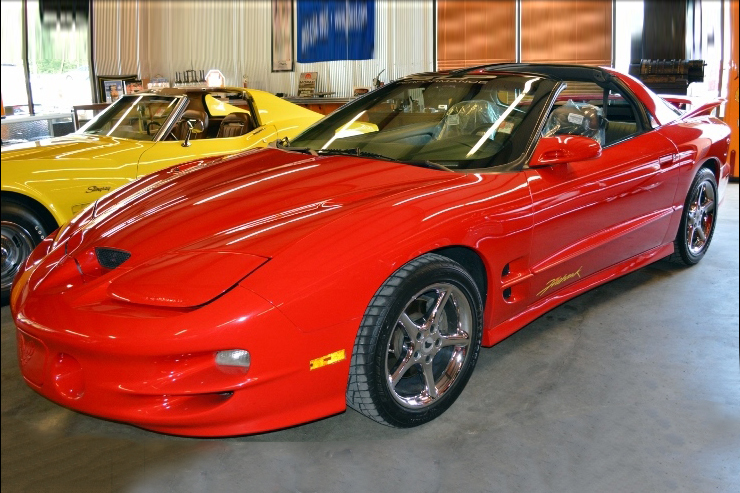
233, 357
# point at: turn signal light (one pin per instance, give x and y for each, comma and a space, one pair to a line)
233, 357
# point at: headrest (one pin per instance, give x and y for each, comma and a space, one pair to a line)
236, 118
465, 117
195, 114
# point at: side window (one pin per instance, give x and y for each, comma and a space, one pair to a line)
230, 114
586, 108
578, 110
621, 119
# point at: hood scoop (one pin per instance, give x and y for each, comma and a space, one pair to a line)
110, 258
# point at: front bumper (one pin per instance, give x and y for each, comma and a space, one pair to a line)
155, 367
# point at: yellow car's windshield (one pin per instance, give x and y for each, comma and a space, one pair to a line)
133, 117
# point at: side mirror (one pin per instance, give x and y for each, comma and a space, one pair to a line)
564, 149
194, 126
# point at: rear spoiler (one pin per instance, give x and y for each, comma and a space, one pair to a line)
693, 106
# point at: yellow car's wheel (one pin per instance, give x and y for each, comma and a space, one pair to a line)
22, 230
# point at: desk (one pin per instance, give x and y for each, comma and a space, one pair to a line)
25, 128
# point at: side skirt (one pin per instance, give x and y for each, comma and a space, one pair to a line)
503, 330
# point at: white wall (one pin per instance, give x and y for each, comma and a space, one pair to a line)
151, 38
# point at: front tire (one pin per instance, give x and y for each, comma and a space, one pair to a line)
418, 343
22, 230
698, 220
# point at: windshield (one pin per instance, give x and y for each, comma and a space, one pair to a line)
133, 117
463, 123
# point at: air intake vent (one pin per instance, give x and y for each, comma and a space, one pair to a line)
110, 258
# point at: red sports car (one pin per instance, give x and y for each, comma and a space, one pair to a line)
366, 262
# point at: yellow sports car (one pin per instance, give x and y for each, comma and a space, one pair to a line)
45, 183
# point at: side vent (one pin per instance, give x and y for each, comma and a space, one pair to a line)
515, 279
110, 258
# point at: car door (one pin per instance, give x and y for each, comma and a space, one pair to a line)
592, 214
171, 152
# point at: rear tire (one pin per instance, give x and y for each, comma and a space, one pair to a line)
698, 220
22, 230
418, 343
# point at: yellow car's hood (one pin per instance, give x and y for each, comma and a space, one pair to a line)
72, 146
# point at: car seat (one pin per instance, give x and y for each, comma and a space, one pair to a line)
619, 130
234, 125
576, 119
181, 129
465, 117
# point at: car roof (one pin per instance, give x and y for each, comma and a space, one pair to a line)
548, 70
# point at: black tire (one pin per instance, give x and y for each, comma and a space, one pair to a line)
384, 346
698, 220
22, 230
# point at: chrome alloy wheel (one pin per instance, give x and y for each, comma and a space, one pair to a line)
17, 244
700, 218
429, 345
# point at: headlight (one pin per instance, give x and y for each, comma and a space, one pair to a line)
183, 279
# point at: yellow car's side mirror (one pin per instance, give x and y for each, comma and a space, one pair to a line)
194, 127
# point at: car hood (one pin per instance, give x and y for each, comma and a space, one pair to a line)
69, 147
189, 233
255, 203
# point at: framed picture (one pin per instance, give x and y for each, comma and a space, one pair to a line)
282, 35
133, 86
307, 84
113, 90
112, 87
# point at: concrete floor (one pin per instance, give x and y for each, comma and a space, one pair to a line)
634, 386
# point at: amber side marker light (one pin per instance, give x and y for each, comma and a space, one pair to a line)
329, 359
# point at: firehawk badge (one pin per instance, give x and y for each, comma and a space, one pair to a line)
560, 280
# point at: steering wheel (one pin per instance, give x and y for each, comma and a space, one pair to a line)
149, 125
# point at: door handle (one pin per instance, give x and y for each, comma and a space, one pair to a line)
667, 161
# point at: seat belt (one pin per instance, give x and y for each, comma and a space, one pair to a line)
605, 101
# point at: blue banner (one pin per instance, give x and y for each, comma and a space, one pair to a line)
335, 30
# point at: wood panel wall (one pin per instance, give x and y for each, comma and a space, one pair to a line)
567, 31
732, 110
475, 32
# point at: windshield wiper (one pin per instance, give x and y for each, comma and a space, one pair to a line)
284, 143
304, 150
354, 152
427, 164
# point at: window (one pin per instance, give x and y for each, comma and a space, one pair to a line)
15, 97
57, 55
58, 58
468, 122
133, 117
475, 32
580, 110
567, 31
